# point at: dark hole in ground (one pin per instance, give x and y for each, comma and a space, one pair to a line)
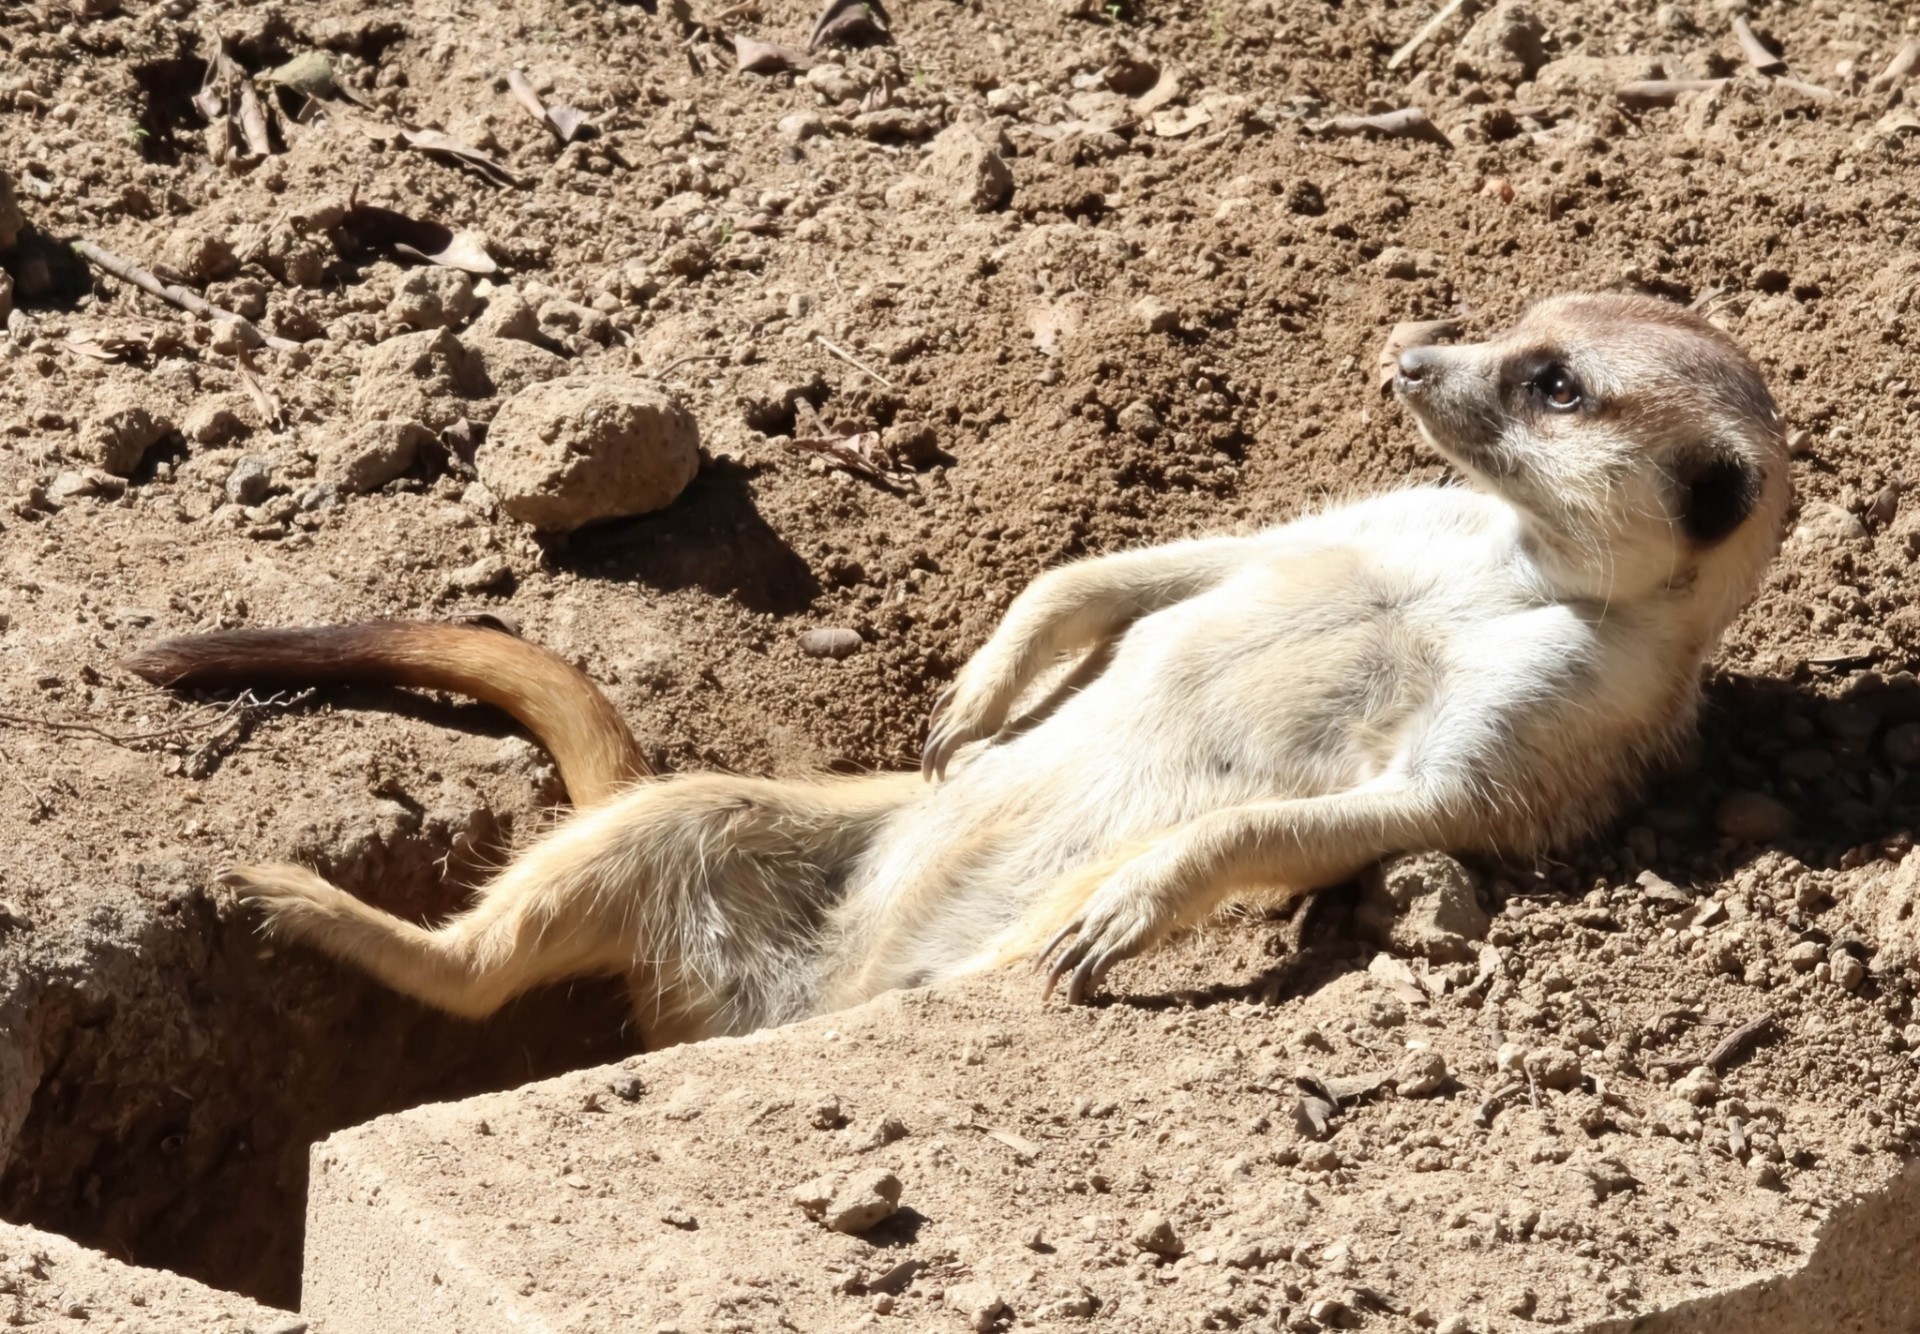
187, 1071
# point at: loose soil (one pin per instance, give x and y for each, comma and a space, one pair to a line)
782, 251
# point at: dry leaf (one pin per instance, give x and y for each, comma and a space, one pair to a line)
523, 93
569, 123
418, 238
753, 56
1399, 978
1179, 123
1052, 322
438, 144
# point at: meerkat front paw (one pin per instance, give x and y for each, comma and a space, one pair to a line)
1127, 915
973, 708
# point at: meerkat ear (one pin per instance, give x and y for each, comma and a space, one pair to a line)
1717, 492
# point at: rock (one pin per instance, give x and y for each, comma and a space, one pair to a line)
1424, 904
250, 481
433, 298
69, 485
830, 642
507, 366
978, 1302
419, 377
568, 452
1421, 1074
1805, 956
1155, 316
483, 576
850, 1204
1553, 1067
1156, 1236
373, 454
1848, 972
122, 429
799, 125
1753, 817
1699, 1086
973, 175
1901, 745
215, 420
506, 315
563, 320
1506, 34
232, 334
1824, 524
1139, 418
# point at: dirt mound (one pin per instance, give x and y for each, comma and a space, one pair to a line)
913, 390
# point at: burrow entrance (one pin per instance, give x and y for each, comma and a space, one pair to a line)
185, 1070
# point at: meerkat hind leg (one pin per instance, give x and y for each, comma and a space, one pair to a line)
470, 966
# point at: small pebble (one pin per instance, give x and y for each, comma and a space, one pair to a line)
1155, 316
1421, 1074
830, 642
1156, 1236
1848, 972
250, 480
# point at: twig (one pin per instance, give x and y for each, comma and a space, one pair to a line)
241, 704
1758, 53
1427, 30
42, 808
253, 120
1813, 90
1644, 93
185, 298
1406, 123
1905, 61
852, 360
1729, 1049
678, 362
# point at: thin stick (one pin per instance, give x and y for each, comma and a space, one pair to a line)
1725, 1051
1661, 92
1758, 53
852, 360
1406, 123
253, 120
185, 298
243, 704
1905, 61
691, 357
1425, 35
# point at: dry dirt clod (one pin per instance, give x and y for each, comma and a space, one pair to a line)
1155, 1235
121, 430
372, 454
251, 480
1421, 1074
979, 1303
433, 298
975, 176
1425, 904
568, 452
1155, 316
853, 1203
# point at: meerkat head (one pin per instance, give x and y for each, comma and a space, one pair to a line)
1638, 443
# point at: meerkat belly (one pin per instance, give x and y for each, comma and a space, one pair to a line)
1289, 682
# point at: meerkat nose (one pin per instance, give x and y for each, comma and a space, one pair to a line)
1418, 363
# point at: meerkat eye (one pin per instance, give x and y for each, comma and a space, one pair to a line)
1560, 390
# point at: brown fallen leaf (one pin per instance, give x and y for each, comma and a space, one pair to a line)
418, 238
438, 144
104, 346
1758, 53
1408, 333
850, 23
567, 123
753, 56
844, 446
1399, 978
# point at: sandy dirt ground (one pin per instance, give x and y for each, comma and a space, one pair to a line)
1026, 280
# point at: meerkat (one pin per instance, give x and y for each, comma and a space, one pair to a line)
1482, 667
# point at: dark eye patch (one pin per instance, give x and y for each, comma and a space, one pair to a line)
1542, 377
1716, 494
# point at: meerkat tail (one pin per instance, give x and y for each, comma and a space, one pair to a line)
565, 711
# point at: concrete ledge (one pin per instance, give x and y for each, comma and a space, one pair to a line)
1046, 1179
50, 1283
